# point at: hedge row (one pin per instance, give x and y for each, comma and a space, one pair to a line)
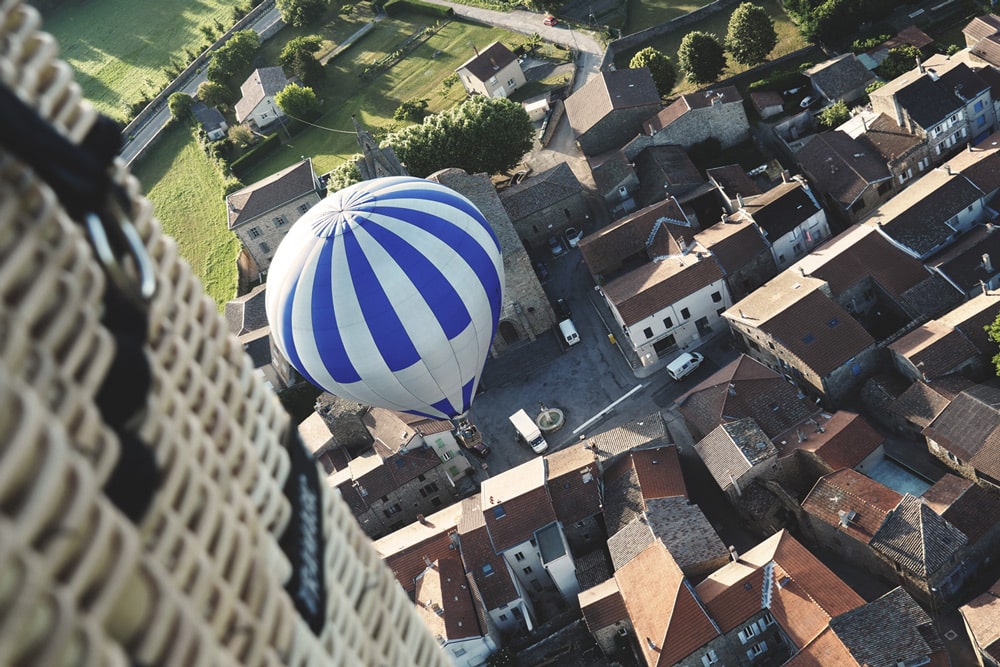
419, 7
261, 150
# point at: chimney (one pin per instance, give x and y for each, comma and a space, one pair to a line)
899, 111
987, 264
920, 65
734, 554
785, 176
989, 228
982, 285
494, 63
732, 389
652, 645
739, 199
947, 168
969, 146
802, 270
423, 521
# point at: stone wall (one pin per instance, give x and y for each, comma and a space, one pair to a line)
725, 121
615, 129
261, 235
632, 43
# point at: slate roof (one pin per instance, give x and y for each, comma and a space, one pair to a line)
970, 428
745, 388
269, 193
732, 449
839, 77
262, 82
496, 588
443, 588
849, 491
846, 440
681, 524
924, 100
935, 349
733, 243
690, 102
672, 620
573, 484
606, 248
958, 77
614, 442
525, 502
209, 117
962, 264
607, 92
656, 285
983, 618
246, 313
593, 568
905, 631
782, 208
841, 166
917, 538
404, 550
538, 192
610, 170
922, 402
804, 593
602, 605
487, 62
622, 496
858, 253
966, 505
917, 217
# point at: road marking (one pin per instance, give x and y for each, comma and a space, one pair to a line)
607, 409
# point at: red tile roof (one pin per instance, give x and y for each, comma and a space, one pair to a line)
734, 243
982, 27
659, 471
823, 651
602, 605
968, 506
654, 286
849, 491
444, 601
847, 439
605, 249
692, 101
573, 483
405, 550
496, 587
983, 617
662, 607
519, 517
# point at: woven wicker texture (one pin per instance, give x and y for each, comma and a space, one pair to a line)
201, 580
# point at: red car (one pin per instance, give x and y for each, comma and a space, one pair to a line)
550, 20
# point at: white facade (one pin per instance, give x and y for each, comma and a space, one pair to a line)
799, 242
510, 615
470, 652
947, 133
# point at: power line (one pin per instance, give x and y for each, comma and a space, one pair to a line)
328, 129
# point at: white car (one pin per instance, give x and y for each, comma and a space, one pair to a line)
808, 101
573, 236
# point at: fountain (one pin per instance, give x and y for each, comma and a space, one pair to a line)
550, 420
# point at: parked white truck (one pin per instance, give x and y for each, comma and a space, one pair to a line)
528, 431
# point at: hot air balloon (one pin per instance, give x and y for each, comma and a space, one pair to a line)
388, 293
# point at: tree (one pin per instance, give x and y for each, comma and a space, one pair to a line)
299, 13
482, 134
236, 54
412, 110
899, 61
834, 115
344, 175
660, 66
993, 331
751, 36
213, 94
180, 105
701, 57
298, 58
298, 102
874, 85
240, 135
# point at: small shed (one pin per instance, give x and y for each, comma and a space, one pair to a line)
768, 103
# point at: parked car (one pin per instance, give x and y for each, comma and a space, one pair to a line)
573, 236
550, 20
684, 365
563, 311
808, 101
542, 271
479, 449
556, 246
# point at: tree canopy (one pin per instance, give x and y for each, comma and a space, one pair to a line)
834, 115
899, 61
412, 110
180, 105
993, 331
660, 66
482, 134
213, 94
297, 58
236, 54
701, 57
751, 36
297, 101
344, 174
300, 13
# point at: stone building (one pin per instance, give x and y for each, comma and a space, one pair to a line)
544, 204
526, 312
709, 114
609, 110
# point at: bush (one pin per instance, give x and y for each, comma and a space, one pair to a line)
780, 80
262, 150
419, 7
232, 185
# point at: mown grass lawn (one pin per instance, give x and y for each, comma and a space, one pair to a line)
120, 48
789, 40
644, 14
186, 190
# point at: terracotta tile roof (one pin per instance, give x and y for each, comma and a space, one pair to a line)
538, 192
981, 163
782, 208
494, 584
263, 82
521, 517
845, 441
935, 349
733, 243
404, 550
966, 505
671, 618
656, 285
602, 606
858, 253
917, 538
573, 484
905, 631
851, 492
804, 593
970, 428
611, 90
629, 541
659, 471
269, 193
982, 27
732, 449
444, 601
614, 442
972, 317
762, 99
888, 139
946, 491
606, 248
841, 166
983, 618
917, 218
692, 538
685, 103
921, 403
733, 179
839, 77
487, 62
745, 388
823, 651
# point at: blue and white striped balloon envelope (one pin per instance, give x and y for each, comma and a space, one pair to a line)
388, 293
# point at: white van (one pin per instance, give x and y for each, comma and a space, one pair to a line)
528, 431
684, 365
568, 331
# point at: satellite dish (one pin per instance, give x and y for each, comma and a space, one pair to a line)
388, 293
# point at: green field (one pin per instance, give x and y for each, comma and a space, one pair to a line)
644, 14
120, 48
186, 191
